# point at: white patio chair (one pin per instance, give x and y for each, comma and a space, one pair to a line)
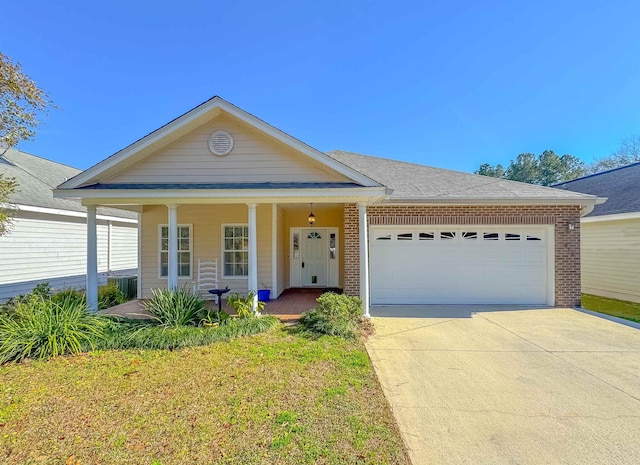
206, 278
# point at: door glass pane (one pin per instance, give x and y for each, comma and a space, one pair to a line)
332, 246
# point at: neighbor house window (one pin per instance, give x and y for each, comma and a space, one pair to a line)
236, 250
184, 251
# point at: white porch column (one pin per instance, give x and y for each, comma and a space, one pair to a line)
274, 250
364, 258
139, 293
253, 254
172, 281
92, 259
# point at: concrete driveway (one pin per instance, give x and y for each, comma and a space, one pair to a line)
480, 385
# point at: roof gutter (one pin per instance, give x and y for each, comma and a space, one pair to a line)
586, 201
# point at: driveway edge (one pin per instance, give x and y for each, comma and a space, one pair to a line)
604, 316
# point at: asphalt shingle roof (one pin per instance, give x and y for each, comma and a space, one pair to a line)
411, 181
37, 177
621, 186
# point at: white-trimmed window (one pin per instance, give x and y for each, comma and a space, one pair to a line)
235, 250
184, 251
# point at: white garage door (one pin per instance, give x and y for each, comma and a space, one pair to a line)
460, 265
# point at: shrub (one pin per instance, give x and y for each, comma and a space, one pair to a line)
40, 290
175, 307
69, 294
242, 305
335, 315
141, 335
43, 328
110, 295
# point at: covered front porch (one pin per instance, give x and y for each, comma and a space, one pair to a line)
288, 307
270, 247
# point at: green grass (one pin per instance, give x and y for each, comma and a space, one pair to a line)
277, 397
613, 307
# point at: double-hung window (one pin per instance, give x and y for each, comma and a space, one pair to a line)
184, 251
235, 250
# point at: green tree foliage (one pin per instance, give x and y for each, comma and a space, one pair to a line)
627, 153
7, 187
493, 171
22, 102
545, 169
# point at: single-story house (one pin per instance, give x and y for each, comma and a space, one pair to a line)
48, 238
610, 242
217, 183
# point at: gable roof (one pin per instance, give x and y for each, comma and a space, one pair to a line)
620, 185
412, 182
37, 177
190, 120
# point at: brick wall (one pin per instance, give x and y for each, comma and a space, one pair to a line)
567, 243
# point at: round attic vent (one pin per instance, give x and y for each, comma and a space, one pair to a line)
220, 143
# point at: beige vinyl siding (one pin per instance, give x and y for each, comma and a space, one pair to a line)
254, 158
206, 222
283, 253
610, 253
53, 248
327, 216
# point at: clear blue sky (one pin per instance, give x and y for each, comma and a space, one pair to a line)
449, 85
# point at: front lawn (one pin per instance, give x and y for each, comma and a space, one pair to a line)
613, 307
278, 397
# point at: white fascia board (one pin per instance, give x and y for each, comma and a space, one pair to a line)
194, 196
614, 217
198, 112
74, 214
580, 201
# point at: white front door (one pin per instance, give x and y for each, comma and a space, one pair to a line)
314, 257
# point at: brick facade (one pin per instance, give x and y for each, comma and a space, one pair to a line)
567, 242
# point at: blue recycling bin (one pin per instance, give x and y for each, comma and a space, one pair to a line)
263, 295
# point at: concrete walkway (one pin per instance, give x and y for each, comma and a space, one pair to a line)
495, 385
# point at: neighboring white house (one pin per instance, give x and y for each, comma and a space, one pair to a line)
610, 234
48, 239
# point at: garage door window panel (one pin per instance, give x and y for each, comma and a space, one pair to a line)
427, 236
382, 236
447, 235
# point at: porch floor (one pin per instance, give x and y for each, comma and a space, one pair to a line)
288, 307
